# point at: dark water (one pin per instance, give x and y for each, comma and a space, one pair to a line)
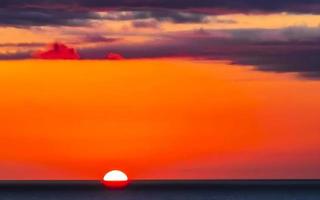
164, 190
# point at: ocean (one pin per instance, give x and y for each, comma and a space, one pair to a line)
162, 190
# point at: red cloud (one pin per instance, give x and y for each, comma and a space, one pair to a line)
114, 56
57, 51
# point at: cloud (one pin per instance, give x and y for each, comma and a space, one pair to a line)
57, 51
15, 56
79, 13
82, 12
31, 17
95, 38
145, 24
265, 49
20, 50
22, 45
44, 17
114, 56
216, 6
174, 16
293, 49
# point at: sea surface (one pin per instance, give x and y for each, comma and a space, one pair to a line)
161, 190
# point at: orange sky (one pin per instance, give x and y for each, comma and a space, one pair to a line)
161, 118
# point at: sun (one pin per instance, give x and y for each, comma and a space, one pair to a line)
115, 175
115, 179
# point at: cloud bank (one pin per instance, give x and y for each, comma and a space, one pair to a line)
80, 12
218, 6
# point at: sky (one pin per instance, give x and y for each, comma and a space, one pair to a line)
212, 89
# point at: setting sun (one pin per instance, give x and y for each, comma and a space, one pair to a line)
115, 179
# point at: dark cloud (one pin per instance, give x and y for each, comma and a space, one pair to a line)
301, 58
80, 12
41, 17
59, 17
174, 16
243, 6
294, 49
276, 52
